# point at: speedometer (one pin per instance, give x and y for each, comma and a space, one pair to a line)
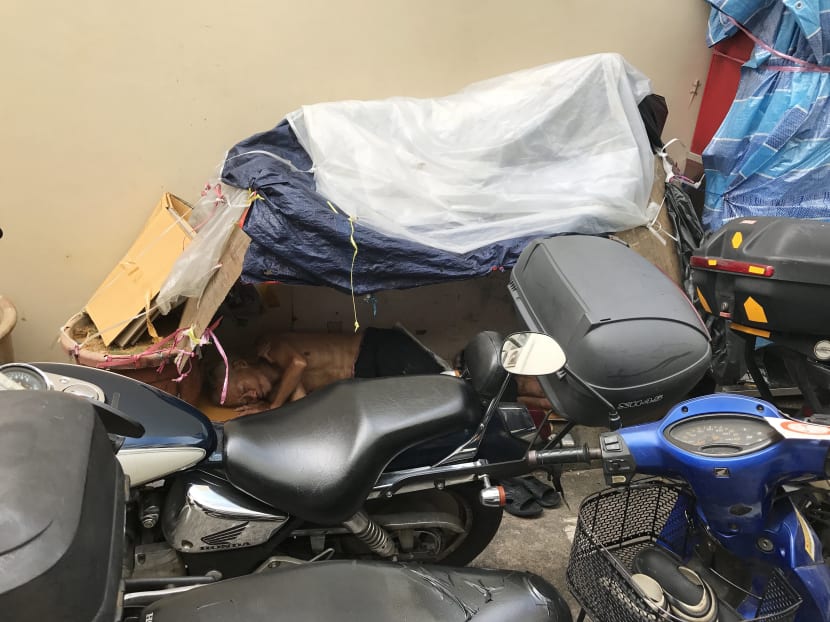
22, 377
722, 434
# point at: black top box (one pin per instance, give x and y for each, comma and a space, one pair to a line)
61, 511
626, 328
767, 275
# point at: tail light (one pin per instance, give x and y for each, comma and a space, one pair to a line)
730, 265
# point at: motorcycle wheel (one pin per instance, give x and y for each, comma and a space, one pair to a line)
480, 522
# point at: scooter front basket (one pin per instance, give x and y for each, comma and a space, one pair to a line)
618, 523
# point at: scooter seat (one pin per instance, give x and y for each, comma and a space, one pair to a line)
318, 458
352, 591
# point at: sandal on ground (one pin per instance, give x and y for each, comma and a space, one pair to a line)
520, 501
544, 495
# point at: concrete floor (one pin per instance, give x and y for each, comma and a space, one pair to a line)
541, 545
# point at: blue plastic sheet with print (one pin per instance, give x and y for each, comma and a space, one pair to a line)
771, 155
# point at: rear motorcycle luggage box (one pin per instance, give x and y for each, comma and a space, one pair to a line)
61, 511
626, 328
767, 274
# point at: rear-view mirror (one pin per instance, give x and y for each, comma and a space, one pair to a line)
532, 354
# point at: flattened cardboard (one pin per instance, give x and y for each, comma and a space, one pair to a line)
198, 312
134, 330
139, 275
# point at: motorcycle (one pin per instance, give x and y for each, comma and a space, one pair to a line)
62, 546
361, 468
767, 279
735, 529
737, 525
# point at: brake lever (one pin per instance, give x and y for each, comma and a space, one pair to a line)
555, 477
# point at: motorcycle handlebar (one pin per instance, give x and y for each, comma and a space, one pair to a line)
563, 455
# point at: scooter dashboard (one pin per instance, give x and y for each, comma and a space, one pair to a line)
721, 434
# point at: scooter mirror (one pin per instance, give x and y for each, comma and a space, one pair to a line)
532, 354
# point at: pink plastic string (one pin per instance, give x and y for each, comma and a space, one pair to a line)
220, 200
803, 65
158, 349
211, 335
734, 59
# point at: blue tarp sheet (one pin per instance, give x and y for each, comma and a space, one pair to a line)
771, 155
298, 238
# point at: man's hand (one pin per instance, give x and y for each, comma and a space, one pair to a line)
292, 365
253, 407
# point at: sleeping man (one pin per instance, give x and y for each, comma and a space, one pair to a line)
290, 365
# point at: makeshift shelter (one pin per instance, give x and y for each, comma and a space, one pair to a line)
366, 196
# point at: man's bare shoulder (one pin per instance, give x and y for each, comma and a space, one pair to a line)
301, 340
335, 351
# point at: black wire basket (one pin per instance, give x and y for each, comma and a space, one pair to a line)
616, 524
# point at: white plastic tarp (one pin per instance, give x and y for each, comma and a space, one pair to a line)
213, 217
558, 148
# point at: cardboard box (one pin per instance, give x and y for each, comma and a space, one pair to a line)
116, 310
131, 286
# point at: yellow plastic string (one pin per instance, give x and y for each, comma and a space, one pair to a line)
354, 257
150, 328
191, 335
351, 273
252, 196
183, 356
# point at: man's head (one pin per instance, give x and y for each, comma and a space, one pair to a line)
247, 382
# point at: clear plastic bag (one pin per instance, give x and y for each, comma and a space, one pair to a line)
213, 218
557, 148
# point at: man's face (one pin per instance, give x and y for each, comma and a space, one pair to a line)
246, 385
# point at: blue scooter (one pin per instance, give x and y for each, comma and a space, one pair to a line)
732, 529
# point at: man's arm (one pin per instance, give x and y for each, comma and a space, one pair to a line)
292, 365
531, 393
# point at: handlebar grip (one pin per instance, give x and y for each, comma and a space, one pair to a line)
562, 456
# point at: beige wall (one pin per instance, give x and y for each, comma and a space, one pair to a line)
107, 104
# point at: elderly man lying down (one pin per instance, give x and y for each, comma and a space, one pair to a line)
290, 365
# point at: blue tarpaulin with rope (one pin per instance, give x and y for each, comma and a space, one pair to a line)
771, 154
298, 237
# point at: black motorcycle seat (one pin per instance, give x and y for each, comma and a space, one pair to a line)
353, 591
318, 458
